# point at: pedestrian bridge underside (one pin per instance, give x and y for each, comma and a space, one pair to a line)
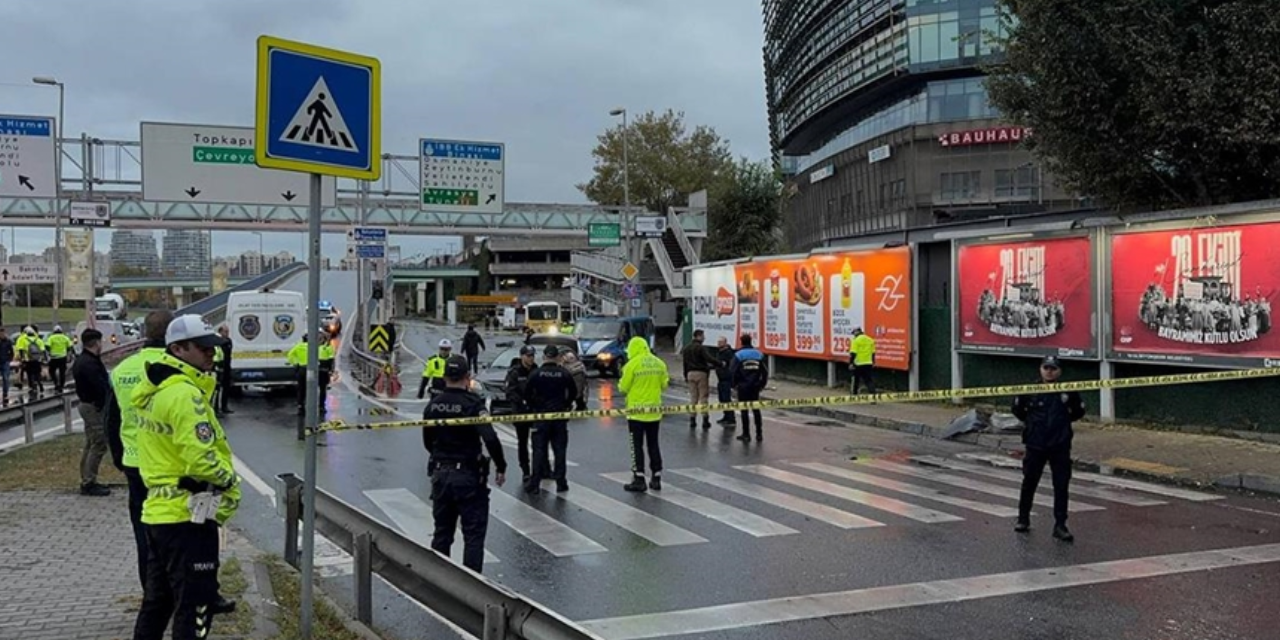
399, 276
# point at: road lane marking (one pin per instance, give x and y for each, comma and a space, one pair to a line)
413, 518
641, 523
739, 519
253, 479
781, 500
940, 477
875, 501
858, 601
911, 489
557, 538
1095, 492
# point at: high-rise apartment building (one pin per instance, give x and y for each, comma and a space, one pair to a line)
134, 250
186, 252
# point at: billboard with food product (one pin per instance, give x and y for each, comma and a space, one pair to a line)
1030, 297
1196, 296
808, 307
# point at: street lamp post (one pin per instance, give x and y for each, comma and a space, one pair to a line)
261, 258
57, 195
628, 231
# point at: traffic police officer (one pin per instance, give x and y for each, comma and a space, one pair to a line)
298, 358
459, 471
1047, 436
862, 360
516, 385
222, 366
59, 346
121, 423
433, 370
192, 486
551, 389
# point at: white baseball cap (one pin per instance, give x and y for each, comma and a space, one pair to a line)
446, 344
192, 328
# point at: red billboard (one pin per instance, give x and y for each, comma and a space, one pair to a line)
1196, 296
1031, 297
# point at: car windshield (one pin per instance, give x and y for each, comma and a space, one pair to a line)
504, 358
597, 330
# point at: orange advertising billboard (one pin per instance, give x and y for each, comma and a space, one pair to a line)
809, 307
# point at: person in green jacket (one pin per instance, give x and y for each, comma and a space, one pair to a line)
59, 346
643, 379
120, 424
192, 485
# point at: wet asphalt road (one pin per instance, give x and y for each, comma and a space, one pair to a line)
769, 522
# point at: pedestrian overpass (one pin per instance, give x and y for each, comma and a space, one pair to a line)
111, 171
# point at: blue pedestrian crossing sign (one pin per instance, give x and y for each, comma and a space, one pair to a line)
318, 110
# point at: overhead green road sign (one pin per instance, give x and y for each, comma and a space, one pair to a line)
604, 234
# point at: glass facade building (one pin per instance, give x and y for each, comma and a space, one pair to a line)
862, 95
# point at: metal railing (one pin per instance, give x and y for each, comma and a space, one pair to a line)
682, 237
469, 600
677, 280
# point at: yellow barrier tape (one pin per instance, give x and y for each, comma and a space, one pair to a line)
899, 396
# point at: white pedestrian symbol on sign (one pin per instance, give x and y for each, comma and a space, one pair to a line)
319, 123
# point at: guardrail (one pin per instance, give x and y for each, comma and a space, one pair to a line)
32, 409
482, 608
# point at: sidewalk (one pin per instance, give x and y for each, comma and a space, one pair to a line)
70, 573
1168, 456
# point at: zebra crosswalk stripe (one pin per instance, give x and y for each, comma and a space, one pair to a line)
413, 518
1094, 492
641, 523
781, 500
889, 505
911, 489
739, 519
557, 538
940, 477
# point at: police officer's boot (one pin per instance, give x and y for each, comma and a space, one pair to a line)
222, 606
706, 421
693, 421
636, 485
656, 483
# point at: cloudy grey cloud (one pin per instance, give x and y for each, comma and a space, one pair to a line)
539, 76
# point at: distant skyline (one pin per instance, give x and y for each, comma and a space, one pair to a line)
233, 243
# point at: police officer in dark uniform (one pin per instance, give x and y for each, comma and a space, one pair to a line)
459, 470
1047, 436
550, 389
516, 385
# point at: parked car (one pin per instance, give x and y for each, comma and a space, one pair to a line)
493, 377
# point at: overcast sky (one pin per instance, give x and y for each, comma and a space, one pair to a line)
539, 75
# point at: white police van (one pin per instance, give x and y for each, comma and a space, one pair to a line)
264, 326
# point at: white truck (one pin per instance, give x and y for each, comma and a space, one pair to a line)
110, 306
264, 325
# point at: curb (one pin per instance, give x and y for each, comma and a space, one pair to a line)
1006, 442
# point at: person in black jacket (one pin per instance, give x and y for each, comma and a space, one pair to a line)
1047, 436
6, 363
458, 468
724, 377
472, 345
516, 383
93, 387
551, 388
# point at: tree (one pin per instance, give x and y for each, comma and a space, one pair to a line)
666, 162
1147, 103
745, 213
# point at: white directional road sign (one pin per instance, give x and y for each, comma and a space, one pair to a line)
209, 163
28, 150
27, 273
462, 177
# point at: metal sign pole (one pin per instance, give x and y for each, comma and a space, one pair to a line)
311, 417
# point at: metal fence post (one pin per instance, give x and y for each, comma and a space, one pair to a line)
495, 622
363, 573
66, 412
293, 514
28, 424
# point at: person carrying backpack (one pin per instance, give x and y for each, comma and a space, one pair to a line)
31, 351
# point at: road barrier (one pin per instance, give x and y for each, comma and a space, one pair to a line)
484, 609
824, 401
